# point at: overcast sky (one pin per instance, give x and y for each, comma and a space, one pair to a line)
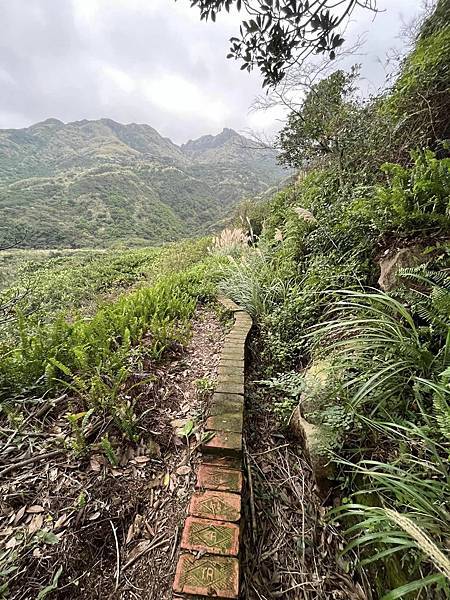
146, 61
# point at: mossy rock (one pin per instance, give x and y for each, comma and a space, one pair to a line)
313, 440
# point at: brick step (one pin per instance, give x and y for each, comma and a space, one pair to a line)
210, 576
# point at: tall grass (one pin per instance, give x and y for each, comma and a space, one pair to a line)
396, 391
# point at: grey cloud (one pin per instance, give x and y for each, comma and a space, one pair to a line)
52, 64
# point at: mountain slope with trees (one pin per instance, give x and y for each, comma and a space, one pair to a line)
94, 183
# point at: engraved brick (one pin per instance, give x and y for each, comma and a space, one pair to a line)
225, 407
219, 506
226, 369
213, 477
213, 537
226, 362
236, 336
219, 397
235, 351
224, 443
241, 328
211, 576
233, 347
232, 421
230, 377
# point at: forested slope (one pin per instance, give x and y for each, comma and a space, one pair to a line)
96, 183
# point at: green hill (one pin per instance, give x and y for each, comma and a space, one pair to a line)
97, 183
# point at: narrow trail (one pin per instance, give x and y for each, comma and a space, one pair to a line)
119, 528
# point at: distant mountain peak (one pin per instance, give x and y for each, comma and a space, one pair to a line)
210, 142
50, 121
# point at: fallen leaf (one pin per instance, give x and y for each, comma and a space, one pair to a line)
138, 549
178, 423
61, 521
130, 534
20, 514
142, 459
53, 474
166, 479
94, 516
11, 543
35, 509
36, 523
95, 465
184, 470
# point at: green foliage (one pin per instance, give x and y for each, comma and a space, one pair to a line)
420, 101
321, 127
283, 33
286, 388
100, 183
92, 355
384, 410
415, 198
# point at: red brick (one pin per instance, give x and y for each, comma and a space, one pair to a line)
219, 506
220, 397
219, 478
227, 462
226, 407
213, 537
224, 443
211, 576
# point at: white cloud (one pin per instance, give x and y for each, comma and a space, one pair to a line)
181, 97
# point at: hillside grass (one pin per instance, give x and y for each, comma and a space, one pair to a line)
310, 281
80, 322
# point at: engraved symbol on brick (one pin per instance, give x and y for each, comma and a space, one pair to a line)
219, 537
219, 506
210, 574
219, 479
216, 506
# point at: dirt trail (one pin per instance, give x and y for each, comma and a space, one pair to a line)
98, 516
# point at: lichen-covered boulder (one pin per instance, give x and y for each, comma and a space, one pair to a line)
312, 438
401, 258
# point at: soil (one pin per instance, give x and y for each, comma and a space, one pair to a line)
100, 531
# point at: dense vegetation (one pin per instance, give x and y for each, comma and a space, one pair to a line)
374, 179
100, 183
76, 323
85, 337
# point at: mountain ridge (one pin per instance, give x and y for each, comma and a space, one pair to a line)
100, 182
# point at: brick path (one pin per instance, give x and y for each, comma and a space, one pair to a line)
209, 564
